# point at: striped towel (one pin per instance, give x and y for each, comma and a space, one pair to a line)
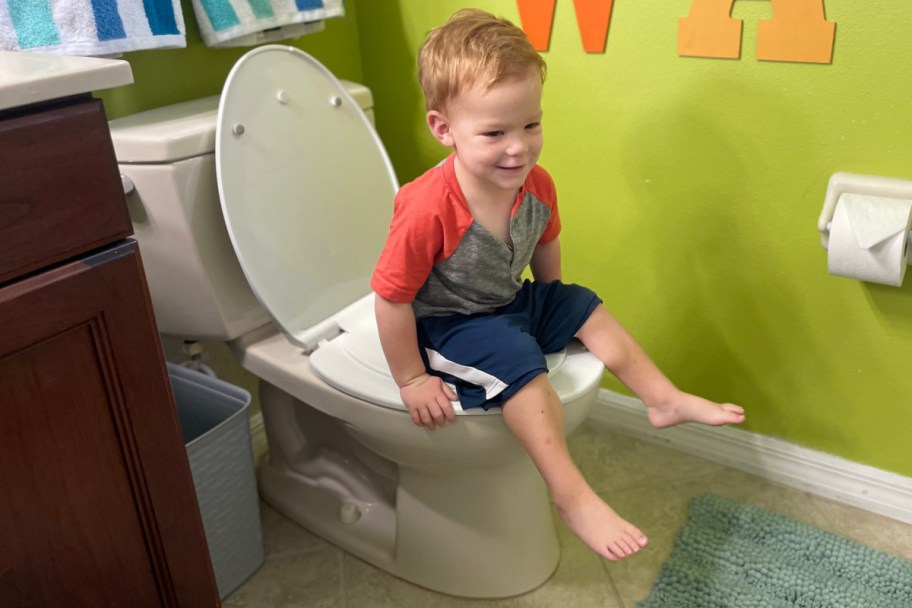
90, 27
225, 23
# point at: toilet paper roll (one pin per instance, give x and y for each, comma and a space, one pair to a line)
868, 237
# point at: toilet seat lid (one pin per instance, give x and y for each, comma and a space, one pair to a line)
306, 188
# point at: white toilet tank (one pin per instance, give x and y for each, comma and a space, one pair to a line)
167, 160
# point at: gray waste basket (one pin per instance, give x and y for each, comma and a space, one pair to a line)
213, 417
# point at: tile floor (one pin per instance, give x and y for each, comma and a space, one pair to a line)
650, 485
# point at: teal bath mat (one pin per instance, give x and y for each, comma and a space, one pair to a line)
732, 555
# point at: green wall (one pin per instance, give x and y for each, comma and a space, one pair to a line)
690, 190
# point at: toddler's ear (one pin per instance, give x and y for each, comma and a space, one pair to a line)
440, 128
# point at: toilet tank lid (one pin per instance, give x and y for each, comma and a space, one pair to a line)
360, 93
166, 134
184, 130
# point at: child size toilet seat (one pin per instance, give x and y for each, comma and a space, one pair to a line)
354, 363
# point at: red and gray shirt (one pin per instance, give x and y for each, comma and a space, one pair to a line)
442, 261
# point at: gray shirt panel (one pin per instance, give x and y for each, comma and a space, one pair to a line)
484, 273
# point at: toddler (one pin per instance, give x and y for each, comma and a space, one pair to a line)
452, 306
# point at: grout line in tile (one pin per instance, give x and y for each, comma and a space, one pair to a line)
617, 594
343, 580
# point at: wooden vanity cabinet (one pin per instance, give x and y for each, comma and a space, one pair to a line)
97, 506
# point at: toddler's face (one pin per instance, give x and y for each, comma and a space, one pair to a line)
497, 132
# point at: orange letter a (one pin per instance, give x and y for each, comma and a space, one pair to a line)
798, 31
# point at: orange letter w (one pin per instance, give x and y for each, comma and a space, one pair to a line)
592, 16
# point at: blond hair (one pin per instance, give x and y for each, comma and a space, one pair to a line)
473, 47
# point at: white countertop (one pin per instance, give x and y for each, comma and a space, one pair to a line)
32, 77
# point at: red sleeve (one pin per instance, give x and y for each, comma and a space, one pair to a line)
428, 222
408, 255
542, 187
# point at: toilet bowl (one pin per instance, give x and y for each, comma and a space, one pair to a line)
260, 214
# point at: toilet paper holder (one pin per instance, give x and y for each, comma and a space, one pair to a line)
853, 183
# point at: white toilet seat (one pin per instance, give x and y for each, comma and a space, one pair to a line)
354, 363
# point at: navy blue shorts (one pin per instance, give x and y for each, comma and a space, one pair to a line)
489, 357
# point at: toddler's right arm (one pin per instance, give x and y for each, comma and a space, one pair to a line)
426, 397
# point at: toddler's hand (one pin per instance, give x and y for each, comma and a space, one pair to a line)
428, 399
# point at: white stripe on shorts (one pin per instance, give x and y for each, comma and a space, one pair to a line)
492, 385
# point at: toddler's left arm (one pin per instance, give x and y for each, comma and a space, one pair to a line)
546, 261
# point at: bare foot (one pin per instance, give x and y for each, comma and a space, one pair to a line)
690, 408
600, 527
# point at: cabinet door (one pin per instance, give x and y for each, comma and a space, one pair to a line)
97, 506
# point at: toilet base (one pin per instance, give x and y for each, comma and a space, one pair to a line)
500, 541
485, 530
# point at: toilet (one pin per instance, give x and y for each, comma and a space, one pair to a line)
260, 214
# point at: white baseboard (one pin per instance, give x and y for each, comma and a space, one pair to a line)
821, 474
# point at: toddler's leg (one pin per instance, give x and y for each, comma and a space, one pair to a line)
535, 415
665, 404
